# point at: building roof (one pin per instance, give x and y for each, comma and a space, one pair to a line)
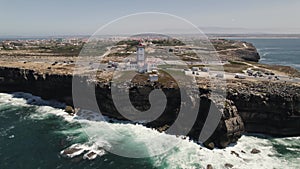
140, 44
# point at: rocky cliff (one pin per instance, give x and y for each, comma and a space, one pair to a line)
268, 107
262, 107
59, 87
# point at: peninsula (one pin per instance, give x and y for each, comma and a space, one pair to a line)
260, 98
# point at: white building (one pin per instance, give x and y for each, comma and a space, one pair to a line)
141, 58
153, 77
133, 66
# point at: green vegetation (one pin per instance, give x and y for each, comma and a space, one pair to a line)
66, 50
128, 42
235, 67
223, 45
71, 50
118, 54
162, 42
168, 42
199, 66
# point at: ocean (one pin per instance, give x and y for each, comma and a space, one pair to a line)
278, 51
35, 133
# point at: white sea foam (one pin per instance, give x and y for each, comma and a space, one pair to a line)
189, 154
26, 100
73, 151
9, 99
88, 152
186, 154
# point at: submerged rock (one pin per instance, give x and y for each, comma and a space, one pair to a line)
209, 166
228, 165
210, 145
235, 153
255, 151
69, 110
72, 151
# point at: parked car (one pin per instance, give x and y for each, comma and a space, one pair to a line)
195, 68
250, 72
240, 76
205, 69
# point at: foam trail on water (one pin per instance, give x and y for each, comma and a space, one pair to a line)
186, 154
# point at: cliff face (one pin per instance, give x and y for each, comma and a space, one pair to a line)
48, 86
59, 87
270, 108
262, 107
229, 129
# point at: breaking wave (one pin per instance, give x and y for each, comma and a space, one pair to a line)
274, 152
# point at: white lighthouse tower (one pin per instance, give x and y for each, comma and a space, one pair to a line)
141, 58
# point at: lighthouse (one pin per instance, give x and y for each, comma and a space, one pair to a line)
141, 58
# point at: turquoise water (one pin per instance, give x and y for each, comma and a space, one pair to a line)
31, 137
278, 51
33, 134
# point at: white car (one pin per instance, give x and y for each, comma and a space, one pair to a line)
240, 76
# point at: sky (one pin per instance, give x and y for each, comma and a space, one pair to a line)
74, 17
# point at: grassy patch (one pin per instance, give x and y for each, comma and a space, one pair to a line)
235, 67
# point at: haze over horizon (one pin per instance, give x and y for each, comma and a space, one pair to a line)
50, 18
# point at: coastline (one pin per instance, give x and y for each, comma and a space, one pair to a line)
241, 92
239, 154
252, 105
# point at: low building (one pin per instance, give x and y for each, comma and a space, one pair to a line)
155, 71
132, 66
153, 77
151, 66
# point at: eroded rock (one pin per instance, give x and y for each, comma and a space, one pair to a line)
255, 151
